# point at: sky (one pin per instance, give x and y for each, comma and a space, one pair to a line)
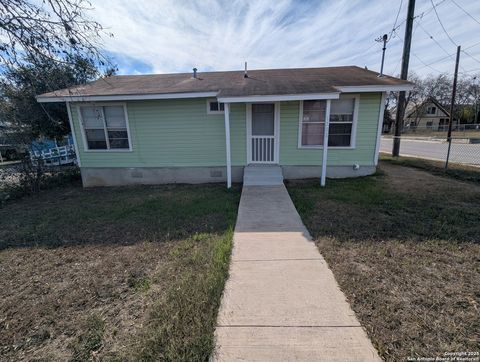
170, 36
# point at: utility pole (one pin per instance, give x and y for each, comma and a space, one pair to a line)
452, 105
384, 38
403, 75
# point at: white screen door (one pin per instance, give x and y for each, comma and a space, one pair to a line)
263, 140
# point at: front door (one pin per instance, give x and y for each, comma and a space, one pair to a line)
263, 141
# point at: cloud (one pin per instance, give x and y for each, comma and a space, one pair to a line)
175, 35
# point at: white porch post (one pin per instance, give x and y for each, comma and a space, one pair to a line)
227, 145
325, 144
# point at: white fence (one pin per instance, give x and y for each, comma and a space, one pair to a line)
55, 156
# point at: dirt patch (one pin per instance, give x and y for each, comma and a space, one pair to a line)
47, 293
404, 246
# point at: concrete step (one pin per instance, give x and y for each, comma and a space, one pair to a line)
262, 175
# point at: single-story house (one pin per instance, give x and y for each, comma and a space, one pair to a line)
213, 126
428, 115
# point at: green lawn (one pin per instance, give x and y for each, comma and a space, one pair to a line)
132, 273
404, 247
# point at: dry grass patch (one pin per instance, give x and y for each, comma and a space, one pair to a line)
404, 247
114, 274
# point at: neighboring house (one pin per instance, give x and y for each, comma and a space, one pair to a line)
429, 115
207, 127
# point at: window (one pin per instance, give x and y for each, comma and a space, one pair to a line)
105, 127
341, 122
431, 110
313, 122
342, 118
215, 107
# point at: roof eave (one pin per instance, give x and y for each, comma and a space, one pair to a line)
375, 88
124, 97
278, 97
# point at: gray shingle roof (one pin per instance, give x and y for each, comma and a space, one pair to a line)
233, 83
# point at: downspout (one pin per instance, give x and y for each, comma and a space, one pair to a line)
227, 144
325, 144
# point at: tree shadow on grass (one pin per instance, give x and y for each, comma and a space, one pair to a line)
372, 209
118, 215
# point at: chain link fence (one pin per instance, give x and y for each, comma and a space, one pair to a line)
432, 144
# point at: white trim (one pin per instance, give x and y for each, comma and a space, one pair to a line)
126, 97
210, 100
276, 133
279, 97
325, 142
374, 88
227, 145
84, 137
300, 129
248, 109
353, 136
356, 108
380, 126
74, 137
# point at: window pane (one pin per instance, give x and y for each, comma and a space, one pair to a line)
213, 106
117, 133
115, 117
314, 111
340, 135
341, 106
96, 139
119, 143
92, 117
118, 138
341, 110
338, 141
318, 105
312, 134
222, 106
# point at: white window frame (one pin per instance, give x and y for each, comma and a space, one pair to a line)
213, 100
84, 136
353, 138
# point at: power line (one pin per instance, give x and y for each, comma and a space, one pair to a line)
448, 35
441, 24
471, 56
396, 19
435, 40
466, 12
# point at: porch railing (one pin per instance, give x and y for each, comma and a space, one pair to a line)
263, 149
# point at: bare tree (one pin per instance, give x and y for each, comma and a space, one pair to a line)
57, 30
44, 45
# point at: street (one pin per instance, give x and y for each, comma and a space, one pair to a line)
436, 150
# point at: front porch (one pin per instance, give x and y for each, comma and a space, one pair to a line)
262, 138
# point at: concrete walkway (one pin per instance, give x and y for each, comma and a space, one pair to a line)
281, 302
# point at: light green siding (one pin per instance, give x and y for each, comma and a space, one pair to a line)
363, 153
176, 133
168, 133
